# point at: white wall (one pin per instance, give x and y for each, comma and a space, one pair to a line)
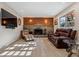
7, 36
55, 26
74, 7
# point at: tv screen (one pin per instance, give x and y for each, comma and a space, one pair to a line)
8, 19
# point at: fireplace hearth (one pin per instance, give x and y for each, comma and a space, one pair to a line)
38, 31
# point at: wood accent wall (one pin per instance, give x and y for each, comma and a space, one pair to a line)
38, 20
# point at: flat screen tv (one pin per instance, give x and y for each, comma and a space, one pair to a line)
8, 19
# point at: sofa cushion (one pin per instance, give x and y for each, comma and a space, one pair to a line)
63, 32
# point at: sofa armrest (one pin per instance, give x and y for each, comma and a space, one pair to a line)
56, 34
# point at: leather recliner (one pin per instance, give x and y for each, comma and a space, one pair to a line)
58, 37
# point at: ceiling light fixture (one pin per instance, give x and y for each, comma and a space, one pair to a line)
30, 20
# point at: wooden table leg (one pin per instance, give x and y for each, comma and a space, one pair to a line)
70, 54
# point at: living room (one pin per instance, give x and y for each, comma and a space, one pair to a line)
39, 29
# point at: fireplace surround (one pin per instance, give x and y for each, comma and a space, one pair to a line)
38, 31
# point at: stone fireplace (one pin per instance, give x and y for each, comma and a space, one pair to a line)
38, 31
38, 25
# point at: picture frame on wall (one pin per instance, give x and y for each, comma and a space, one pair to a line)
70, 19
62, 21
67, 20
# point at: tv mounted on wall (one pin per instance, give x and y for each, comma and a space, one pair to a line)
8, 19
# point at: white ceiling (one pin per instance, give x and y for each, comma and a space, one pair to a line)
38, 9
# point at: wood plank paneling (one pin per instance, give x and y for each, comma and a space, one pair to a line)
43, 21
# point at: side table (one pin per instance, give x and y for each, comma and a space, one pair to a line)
74, 50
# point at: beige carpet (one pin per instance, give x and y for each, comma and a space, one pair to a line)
40, 47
